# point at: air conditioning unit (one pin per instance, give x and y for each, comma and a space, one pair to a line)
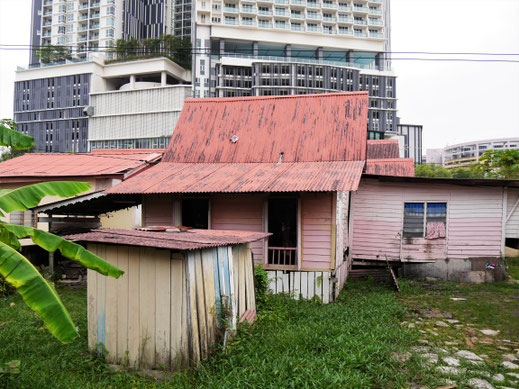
88, 110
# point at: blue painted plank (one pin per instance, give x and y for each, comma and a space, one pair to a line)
100, 331
216, 267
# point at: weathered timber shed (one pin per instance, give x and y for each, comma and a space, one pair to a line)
181, 291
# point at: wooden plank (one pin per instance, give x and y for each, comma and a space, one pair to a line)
177, 294
134, 332
162, 307
218, 297
101, 300
147, 307
111, 308
241, 278
279, 281
297, 284
210, 296
91, 302
286, 285
249, 279
236, 251
234, 306
304, 284
311, 285
271, 275
192, 315
201, 306
184, 344
291, 282
122, 304
326, 287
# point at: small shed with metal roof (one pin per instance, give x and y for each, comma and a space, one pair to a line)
180, 294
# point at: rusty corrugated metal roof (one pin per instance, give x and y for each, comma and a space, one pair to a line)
244, 177
188, 240
306, 128
382, 149
99, 163
390, 167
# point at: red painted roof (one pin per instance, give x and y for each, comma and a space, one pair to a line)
306, 128
391, 167
188, 240
382, 149
99, 163
244, 177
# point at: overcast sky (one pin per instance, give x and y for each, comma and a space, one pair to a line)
454, 101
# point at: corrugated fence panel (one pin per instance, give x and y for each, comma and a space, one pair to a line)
302, 284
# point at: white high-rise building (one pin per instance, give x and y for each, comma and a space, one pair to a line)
277, 47
87, 26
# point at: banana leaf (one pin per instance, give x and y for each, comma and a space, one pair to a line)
70, 250
15, 139
30, 196
37, 293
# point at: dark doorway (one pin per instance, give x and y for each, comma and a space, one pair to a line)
195, 213
282, 223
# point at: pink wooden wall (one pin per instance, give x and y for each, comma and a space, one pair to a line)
239, 212
246, 212
474, 221
317, 230
157, 210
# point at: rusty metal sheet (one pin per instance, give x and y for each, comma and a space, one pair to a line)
245, 177
184, 240
382, 149
98, 163
390, 167
305, 128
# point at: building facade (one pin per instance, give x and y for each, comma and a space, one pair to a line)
410, 141
86, 26
464, 154
53, 104
262, 47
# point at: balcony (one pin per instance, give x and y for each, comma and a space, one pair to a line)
375, 22
248, 22
47, 24
262, 24
297, 16
281, 26
47, 13
95, 4
94, 26
373, 34
329, 19
357, 8
267, 13
46, 34
83, 17
375, 11
345, 19
359, 22
344, 8
82, 28
83, 6
360, 34
313, 28
282, 13
249, 10
313, 4
231, 22
94, 37
314, 16
47, 3
296, 27
329, 5
345, 32
95, 15
82, 39
330, 31
298, 2
230, 9
281, 1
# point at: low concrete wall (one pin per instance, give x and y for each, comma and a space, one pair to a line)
471, 270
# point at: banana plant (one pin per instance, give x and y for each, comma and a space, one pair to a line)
17, 270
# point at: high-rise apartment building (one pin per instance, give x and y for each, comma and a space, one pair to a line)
282, 47
86, 26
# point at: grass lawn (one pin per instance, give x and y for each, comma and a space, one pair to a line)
361, 341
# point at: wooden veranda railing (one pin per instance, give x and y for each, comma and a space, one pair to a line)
282, 256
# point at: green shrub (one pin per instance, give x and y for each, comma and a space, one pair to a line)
261, 282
